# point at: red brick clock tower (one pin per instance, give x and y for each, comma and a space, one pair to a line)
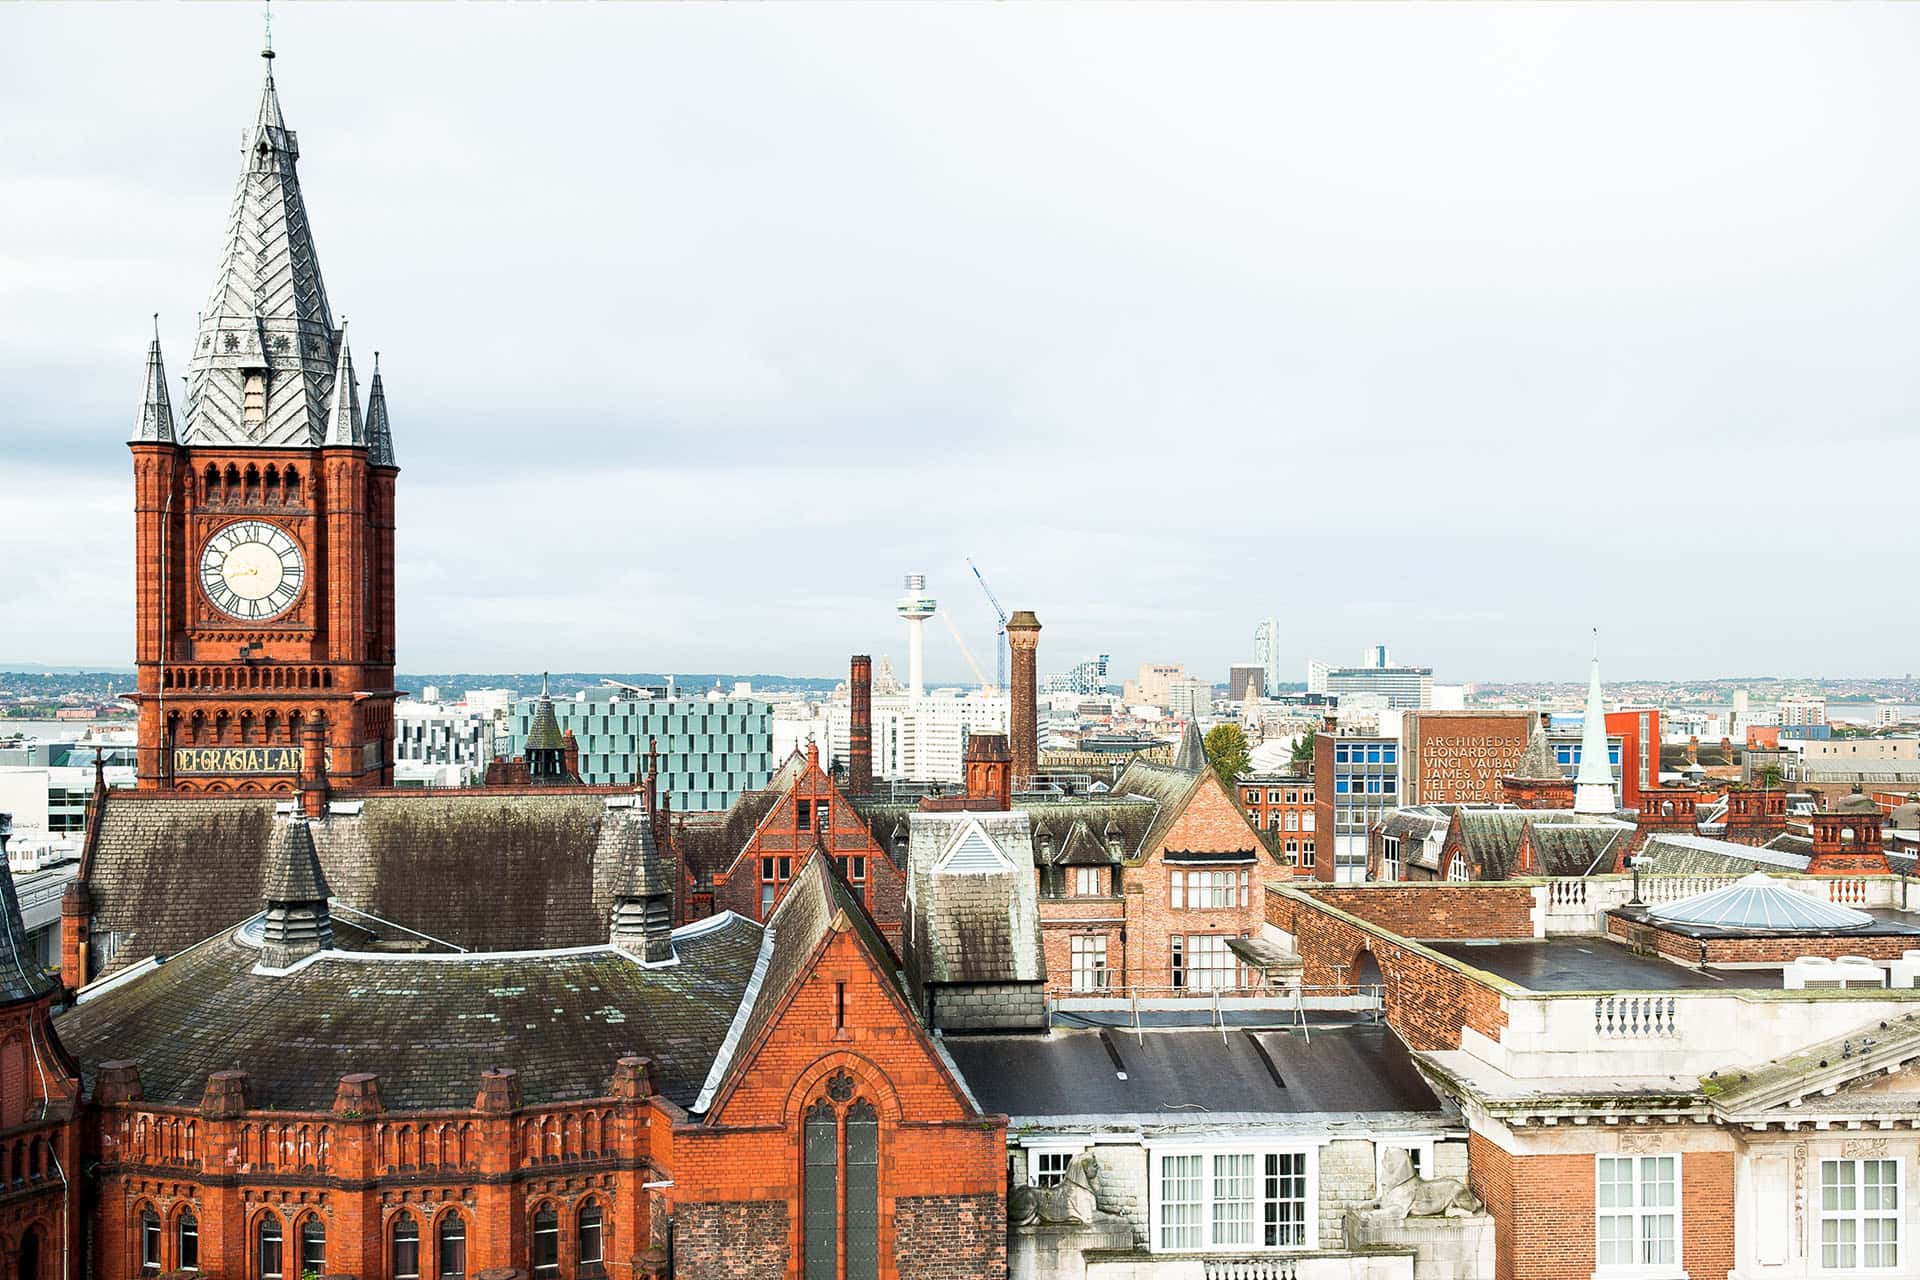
264, 521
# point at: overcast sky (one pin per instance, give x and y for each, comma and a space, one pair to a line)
1459, 328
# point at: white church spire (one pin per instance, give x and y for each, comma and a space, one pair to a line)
1593, 786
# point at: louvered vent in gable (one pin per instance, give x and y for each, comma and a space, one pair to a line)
974, 853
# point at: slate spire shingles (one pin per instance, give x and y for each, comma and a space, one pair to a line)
20, 977
379, 429
298, 922
155, 424
267, 317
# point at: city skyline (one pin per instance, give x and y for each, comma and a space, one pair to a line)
557, 335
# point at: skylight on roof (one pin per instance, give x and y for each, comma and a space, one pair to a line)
1758, 901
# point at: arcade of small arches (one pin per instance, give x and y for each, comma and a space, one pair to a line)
420, 1240
251, 676
252, 487
223, 728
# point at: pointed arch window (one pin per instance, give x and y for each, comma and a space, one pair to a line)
546, 1242
590, 1233
453, 1247
841, 1186
187, 1233
267, 1248
406, 1247
313, 1247
149, 1242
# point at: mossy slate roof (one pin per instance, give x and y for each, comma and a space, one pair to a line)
489, 871
427, 1026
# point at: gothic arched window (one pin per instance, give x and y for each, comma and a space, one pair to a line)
406, 1247
149, 1242
589, 1234
267, 1249
313, 1247
546, 1242
453, 1247
842, 1149
187, 1240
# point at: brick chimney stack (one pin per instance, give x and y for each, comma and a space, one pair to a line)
1023, 711
313, 769
989, 769
860, 725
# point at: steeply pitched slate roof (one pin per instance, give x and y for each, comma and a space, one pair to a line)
1167, 786
543, 734
1565, 849
1192, 755
490, 870
1083, 848
427, 1026
1492, 836
1492, 839
972, 925
710, 842
796, 930
20, 977
1052, 820
293, 868
1703, 856
1538, 763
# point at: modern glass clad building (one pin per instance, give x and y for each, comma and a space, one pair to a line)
711, 750
1366, 785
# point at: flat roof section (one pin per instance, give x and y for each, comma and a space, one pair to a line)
1186, 1074
1588, 964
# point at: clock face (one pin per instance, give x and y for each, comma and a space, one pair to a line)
252, 570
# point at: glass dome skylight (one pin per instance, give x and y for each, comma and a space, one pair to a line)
1758, 901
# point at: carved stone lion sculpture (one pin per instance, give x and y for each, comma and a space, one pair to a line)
1405, 1194
1070, 1201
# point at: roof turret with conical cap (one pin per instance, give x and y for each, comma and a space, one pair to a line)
1193, 750
379, 430
155, 425
264, 358
344, 423
1593, 785
1537, 762
297, 921
643, 895
543, 734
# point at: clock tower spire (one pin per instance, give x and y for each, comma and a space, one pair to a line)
264, 519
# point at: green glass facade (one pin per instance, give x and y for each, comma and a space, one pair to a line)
710, 750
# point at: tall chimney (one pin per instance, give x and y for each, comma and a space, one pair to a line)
860, 726
1023, 711
313, 769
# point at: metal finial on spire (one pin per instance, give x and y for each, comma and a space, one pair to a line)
156, 326
543, 684
267, 52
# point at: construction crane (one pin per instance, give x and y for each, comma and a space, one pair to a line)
965, 652
1000, 648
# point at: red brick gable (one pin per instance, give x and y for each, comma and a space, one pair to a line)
877, 1040
1209, 820
840, 1034
779, 835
